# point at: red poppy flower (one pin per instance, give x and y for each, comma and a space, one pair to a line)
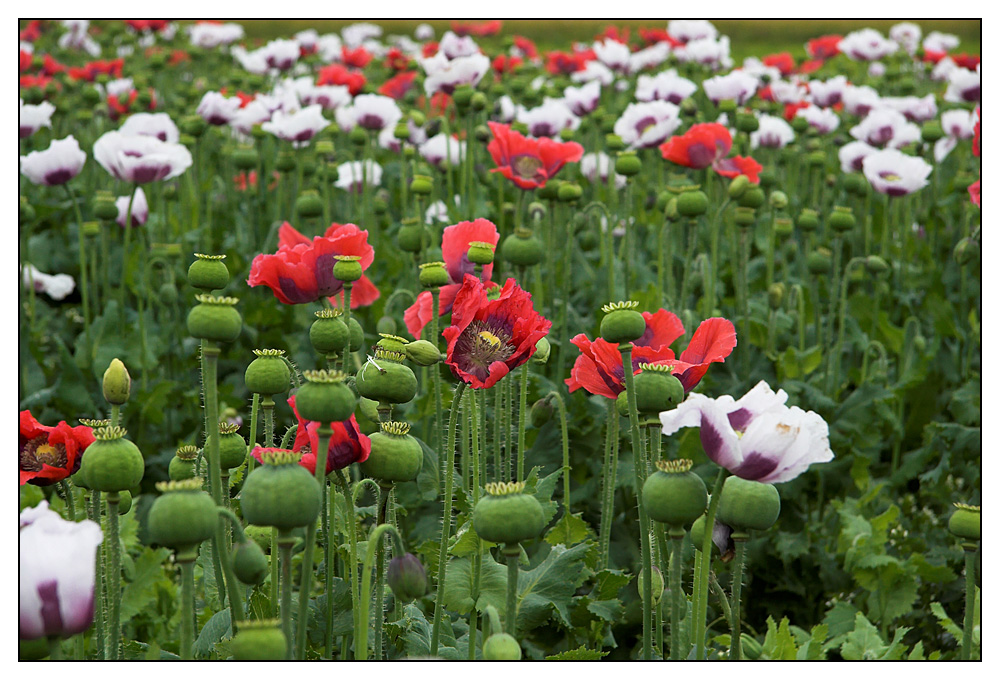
792, 108
178, 56
24, 60
489, 338
529, 163
397, 86
708, 144
504, 64
50, 66
599, 368
739, 165
338, 74
934, 56
50, 454
824, 47
455, 249
302, 270
975, 193
969, 61
429, 49
40, 81
614, 33
977, 131
147, 25
31, 32
811, 66
564, 63
651, 36
486, 28
358, 57
526, 46
397, 60
782, 61
349, 444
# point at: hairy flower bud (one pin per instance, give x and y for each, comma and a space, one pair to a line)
117, 383
407, 577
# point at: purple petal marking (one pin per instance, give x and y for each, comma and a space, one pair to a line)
755, 465
740, 419
294, 293
48, 593
711, 440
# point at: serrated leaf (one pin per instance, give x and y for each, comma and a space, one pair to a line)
140, 592
609, 583
466, 542
864, 642
568, 531
492, 585
779, 643
214, 630
578, 654
956, 631
609, 610
549, 587
415, 631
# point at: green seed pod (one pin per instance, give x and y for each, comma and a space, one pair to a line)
753, 197
808, 220
433, 275
357, 334
421, 185
259, 535
816, 158
386, 378
182, 464
621, 322
841, 219
259, 640
269, 374
966, 522
117, 383
549, 192
250, 564
663, 199
747, 505
280, 493
569, 192
656, 591
692, 203
348, 268
657, 389
208, 272
182, 517
777, 200
232, 446
325, 397
480, 252
523, 249
747, 122
698, 535
541, 413
727, 105
799, 124
567, 134
818, 262
931, 131
401, 131
285, 161
744, 217
412, 236
215, 318
855, 184
104, 206
309, 204
621, 404
738, 186
613, 143
328, 333
463, 96
775, 295
674, 495
193, 125
395, 455
124, 502
422, 352
783, 227
245, 157
507, 515
357, 136
406, 577
767, 179
112, 462
967, 251
501, 647
628, 164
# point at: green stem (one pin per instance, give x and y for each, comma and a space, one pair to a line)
94, 514
970, 602
274, 573
692, 240
115, 415
512, 552
285, 543
125, 260
114, 579
384, 500
352, 533
83, 269
187, 609
267, 404
70, 504
701, 582
361, 623
448, 473
522, 415
564, 429
741, 546
254, 411
328, 567
676, 594
609, 474
436, 370
347, 320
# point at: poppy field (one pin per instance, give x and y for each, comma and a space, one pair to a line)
615, 349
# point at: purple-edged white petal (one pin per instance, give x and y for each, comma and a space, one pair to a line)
58, 164
811, 445
158, 125
140, 208
31, 118
140, 159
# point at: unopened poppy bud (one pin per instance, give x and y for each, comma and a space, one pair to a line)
250, 565
967, 251
417, 117
117, 383
91, 96
462, 96
569, 192
285, 161
778, 200
753, 197
268, 374
855, 184
746, 505
208, 272
358, 136
407, 577
656, 580
501, 647
931, 131
542, 351
423, 353
775, 295
215, 319
541, 413
421, 185
433, 275
692, 203
628, 164
689, 107
818, 262
479, 102
401, 131
808, 220
841, 219
482, 133
193, 125
966, 522
104, 206
259, 640
744, 217
738, 186
347, 268
567, 134
747, 122
622, 322
245, 157
309, 204
480, 252
614, 143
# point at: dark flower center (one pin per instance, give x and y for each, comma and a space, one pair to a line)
526, 166
479, 346
38, 452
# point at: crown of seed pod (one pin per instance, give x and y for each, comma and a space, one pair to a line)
215, 319
966, 522
328, 333
325, 397
112, 463
507, 514
269, 374
391, 343
182, 517
674, 495
385, 379
280, 493
480, 252
348, 268
259, 640
657, 389
621, 322
808, 220
395, 455
232, 446
746, 505
182, 464
433, 275
208, 272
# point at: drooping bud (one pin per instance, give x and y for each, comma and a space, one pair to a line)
423, 353
542, 350
775, 295
656, 581
407, 577
250, 565
117, 383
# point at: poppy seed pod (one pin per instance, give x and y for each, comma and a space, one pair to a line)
422, 352
269, 374
818, 262
549, 192
406, 577
744, 216
753, 197
656, 389
249, 563
325, 397
738, 186
357, 136
259, 640
462, 96
421, 185
412, 236
674, 495
232, 446
621, 322
747, 122
855, 184
104, 206
569, 192
182, 517
112, 463
245, 157
401, 131
523, 249
692, 203
767, 179
777, 200
480, 252
433, 275
931, 131
391, 343
567, 134
501, 647
841, 219
628, 164
386, 379
357, 334
182, 464
193, 125
328, 333
966, 522
280, 493
348, 268
208, 272
746, 505
507, 515
808, 220
117, 383
309, 204
215, 318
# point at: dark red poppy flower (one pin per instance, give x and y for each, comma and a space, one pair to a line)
977, 132
455, 248
338, 74
429, 49
810, 66
482, 29
29, 80
651, 36
397, 86
505, 64
349, 444
24, 60
564, 63
969, 61
147, 25
739, 165
489, 338
50, 454
783, 61
302, 269
792, 108
397, 60
934, 56
708, 144
50, 66
31, 32
529, 163
526, 47
975, 193
599, 368
824, 47
177, 57
614, 33
358, 57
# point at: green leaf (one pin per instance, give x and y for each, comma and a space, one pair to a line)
864, 642
217, 628
466, 542
492, 585
812, 649
140, 593
917, 653
578, 654
542, 490
896, 648
779, 643
549, 587
569, 530
609, 583
950, 626
609, 610
415, 631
